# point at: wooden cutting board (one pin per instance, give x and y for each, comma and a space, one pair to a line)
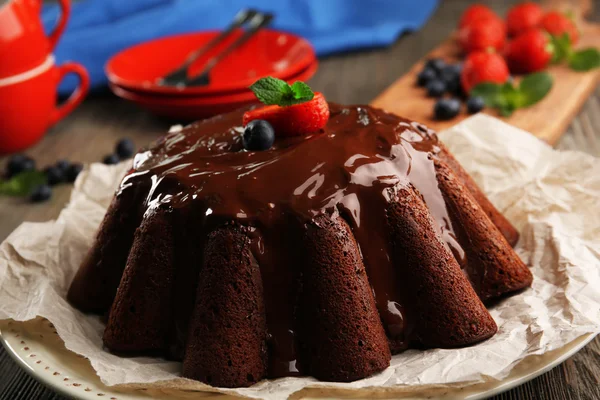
547, 119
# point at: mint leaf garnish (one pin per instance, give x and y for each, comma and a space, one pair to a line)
270, 90
534, 87
560, 47
302, 91
22, 184
584, 60
506, 98
489, 92
273, 91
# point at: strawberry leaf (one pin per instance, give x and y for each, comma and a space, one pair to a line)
585, 60
22, 184
273, 91
534, 87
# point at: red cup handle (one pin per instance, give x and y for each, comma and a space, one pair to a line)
77, 96
65, 6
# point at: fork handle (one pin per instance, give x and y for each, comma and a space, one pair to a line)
240, 19
256, 23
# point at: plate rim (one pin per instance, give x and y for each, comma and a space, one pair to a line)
536, 369
114, 77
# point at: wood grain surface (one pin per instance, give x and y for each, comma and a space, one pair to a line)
91, 131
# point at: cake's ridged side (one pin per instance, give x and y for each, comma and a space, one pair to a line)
189, 246
506, 228
140, 316
339, 330
227, 338
441, 307
492, 265
95, 284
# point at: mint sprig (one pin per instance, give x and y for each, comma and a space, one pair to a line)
560, 47
22, 184
273, 91
580, 60
584, 60
506, 97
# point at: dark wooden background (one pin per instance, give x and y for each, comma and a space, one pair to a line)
91, 131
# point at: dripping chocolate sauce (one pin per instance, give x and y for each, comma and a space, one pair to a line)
351, 167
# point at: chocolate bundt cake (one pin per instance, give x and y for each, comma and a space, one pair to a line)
321, 256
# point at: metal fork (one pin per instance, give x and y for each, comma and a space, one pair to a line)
179, 76
256, 23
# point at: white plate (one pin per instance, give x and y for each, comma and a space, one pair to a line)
36, 347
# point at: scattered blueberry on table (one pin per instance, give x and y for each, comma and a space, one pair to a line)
63, 164
446, 109
54, 175
425, 76
258, 135
22, 179
111, 159
436, 64
475, 104
441, 79
40, 193
454, 69
73, 171
125, 148
436, 88
19, 163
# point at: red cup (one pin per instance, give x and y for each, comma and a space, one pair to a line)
28, 103
23, 43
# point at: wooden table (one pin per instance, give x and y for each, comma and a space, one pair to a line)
91, 131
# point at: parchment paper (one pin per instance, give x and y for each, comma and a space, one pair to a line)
552, 197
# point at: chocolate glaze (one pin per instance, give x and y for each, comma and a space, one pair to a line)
348, 168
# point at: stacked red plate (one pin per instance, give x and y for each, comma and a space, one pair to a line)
134, 73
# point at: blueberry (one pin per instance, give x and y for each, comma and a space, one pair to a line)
435, 88
40, 193
437, 64
454, 87
475, 104
448, 75
258, 135
111, 159
63, 164
446, 108
19, 163
125, 148
425, 76
54, 175
455, 69
72, 172
15, 163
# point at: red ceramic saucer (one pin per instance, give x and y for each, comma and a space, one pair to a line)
268, 53
197, 107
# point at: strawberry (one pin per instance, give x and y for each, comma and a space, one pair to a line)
528, 52
557, 24
474, 13
482, 34
523, 17
299, 119
481, 67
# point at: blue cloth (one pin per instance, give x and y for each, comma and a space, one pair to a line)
98, 29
